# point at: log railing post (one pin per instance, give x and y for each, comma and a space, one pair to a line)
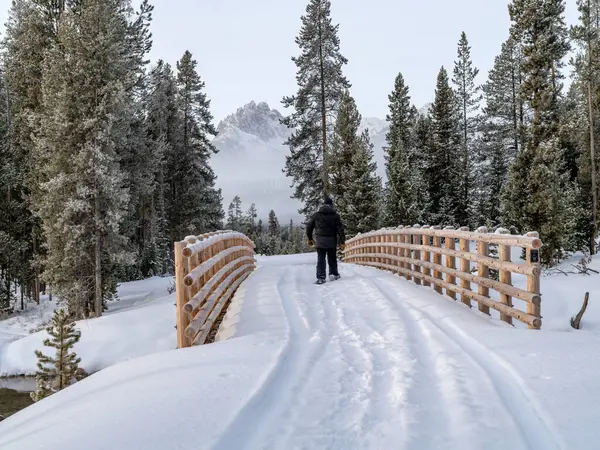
465, 266
505, 275
483, 249
416, 240
437, 258
450, 263
180, 289
406, 253
426, 255
533, 281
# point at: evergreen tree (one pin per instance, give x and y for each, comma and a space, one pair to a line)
163, 124
345, 143
82, 125
402, 202
30, 31
321, 86
363, 192
59, 372
502, 134
541, 30
468, 98
442, 158
250, 221
235, 219
587, 66
273, 228
196, 203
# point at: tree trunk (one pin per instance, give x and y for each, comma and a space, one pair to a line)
592, 151
36, 279
98, 262
323, 112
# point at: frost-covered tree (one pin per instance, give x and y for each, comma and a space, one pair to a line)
363, 192
273, 228
195, 205
321, 85
163, 124
442, 166
59, 372
345, 143
83, 124
402, 194
468, 99
587, 66
235, 216
540, 29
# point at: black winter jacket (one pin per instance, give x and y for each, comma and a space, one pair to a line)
327, 227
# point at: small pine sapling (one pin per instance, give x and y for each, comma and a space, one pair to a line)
58, 373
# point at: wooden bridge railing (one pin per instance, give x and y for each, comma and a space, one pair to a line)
416, 253
208, 270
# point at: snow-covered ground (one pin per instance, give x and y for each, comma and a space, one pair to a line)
140, 323
368, 362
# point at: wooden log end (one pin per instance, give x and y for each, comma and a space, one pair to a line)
537, 324
188, 280
536, 244
482, 230
190, 333
537, 271
536, 300
188, 308
187, 252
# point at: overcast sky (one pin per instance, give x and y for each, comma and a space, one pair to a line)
243, 47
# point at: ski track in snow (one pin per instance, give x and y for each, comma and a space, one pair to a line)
365, 365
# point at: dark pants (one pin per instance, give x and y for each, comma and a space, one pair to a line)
331, 255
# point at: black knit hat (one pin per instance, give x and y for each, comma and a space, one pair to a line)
329, 201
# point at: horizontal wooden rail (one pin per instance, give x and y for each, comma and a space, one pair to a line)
208, 270
408, 251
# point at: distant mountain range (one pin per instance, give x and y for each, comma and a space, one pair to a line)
251, 159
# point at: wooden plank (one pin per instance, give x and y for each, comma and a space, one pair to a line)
465, 266
504, 254
180, 295
426, 255
491, 238
533, 283
483, 248
450, 264
416, 241
437, 260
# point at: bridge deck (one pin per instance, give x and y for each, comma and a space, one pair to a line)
373, 361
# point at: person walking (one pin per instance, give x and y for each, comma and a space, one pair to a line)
328, 229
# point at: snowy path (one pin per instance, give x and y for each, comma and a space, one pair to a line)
367, 365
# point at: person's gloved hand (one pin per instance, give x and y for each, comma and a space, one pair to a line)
342, 247
311, 243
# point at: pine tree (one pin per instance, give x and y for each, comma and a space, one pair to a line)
363, 192
402, 202
541, 30
84, 123
468, 98
321, 86
345, 143
235, 219
59, 372
196, 203
163, 124
442, 158
587, 66
273, 228
30, 31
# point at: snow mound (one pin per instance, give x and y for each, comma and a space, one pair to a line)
141, 323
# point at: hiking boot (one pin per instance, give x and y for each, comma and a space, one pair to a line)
334, 277
320, 280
